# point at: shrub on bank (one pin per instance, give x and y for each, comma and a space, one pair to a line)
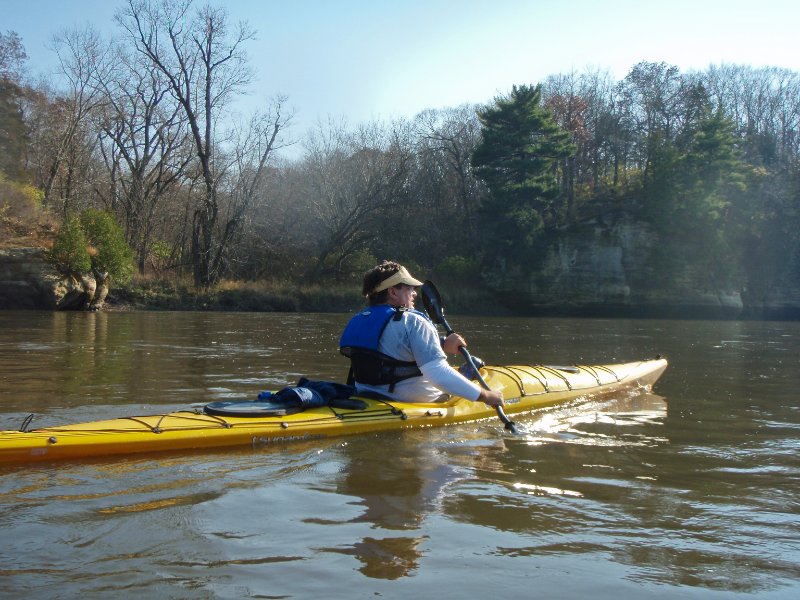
19, 201
92, 242
69, 253
110, 252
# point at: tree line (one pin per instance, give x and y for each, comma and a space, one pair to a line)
142, 129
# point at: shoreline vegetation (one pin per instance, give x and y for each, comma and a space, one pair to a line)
264, 296
147, 294
467, 291
465, 296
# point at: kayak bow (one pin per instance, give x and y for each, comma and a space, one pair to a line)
524, 388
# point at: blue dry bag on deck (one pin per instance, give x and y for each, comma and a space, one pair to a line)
310, 394
306, 394
298, 396
329, 390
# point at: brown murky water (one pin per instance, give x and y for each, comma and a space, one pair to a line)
691, 491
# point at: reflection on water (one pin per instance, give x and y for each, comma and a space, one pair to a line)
601, 423
393, 499
691, 490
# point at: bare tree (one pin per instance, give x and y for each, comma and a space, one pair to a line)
12, 56
764, 104
565, 101
246, 172
650, 94
62, 123
354, 178
447, 138
601, 156
203, 61
144, 145
13, 130
276, 241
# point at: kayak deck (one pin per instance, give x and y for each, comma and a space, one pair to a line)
524, 388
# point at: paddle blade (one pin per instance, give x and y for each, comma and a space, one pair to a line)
433, 302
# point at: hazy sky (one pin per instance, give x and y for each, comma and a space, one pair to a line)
364, 59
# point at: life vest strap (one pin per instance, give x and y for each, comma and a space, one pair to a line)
375, 368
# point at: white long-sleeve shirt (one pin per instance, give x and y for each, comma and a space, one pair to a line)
414, 338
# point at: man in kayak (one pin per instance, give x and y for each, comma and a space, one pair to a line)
396, 351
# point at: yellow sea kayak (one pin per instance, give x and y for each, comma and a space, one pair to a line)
524, 388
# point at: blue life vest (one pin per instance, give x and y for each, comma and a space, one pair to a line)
359, 342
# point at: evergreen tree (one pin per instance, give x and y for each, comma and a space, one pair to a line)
691, 200
517, 157
110, 256
713, 180
69, 253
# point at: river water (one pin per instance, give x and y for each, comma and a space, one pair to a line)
691, 491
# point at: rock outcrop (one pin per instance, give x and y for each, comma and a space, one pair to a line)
603, 267
28, 281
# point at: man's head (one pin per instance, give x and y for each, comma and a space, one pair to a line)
390, 283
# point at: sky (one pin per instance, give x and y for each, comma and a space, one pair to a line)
361, 60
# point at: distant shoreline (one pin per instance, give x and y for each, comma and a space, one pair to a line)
460, 301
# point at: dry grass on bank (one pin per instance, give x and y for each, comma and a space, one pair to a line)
147, 293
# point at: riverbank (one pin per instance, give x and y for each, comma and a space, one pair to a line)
266, 296
28, 281
234, 296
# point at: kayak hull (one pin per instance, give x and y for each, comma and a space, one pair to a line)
525, 388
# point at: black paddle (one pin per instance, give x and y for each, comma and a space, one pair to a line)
434, 308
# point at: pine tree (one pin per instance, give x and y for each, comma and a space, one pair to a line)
518, 156
111, 256
691, 196
69, 253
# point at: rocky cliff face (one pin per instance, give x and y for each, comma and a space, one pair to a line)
27, 280
598, 263
603, 267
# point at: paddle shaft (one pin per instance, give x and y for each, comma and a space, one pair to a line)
509, 424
